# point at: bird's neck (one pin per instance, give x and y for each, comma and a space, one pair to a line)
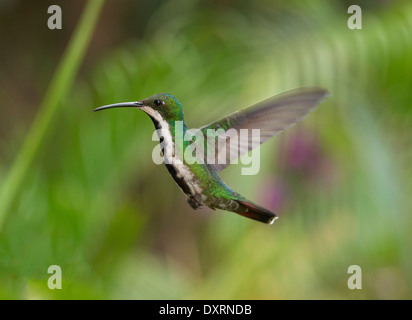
174, 127
171, 133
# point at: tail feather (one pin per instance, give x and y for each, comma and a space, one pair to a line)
255, 212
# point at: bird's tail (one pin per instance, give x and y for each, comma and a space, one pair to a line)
253, 211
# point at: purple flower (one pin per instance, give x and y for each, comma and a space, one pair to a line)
303, 159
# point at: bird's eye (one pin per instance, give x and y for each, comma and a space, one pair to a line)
158, 102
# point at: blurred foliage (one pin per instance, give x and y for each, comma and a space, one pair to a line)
94, 203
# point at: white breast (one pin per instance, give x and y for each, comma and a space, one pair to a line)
182, 170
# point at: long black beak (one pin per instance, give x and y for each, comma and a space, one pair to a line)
136, 104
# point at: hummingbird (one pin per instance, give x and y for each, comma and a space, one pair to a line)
199, 180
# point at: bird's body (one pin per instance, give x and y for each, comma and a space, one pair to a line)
199, 179
199, 182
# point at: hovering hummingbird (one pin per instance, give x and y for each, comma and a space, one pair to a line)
199, 180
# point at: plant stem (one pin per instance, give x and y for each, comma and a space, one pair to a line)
59, 86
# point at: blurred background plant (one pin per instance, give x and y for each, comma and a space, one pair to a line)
92, 201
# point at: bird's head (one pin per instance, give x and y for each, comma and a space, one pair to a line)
160, 107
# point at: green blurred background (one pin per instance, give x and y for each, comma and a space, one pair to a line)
80, 190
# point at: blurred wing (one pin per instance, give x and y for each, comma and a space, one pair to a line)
270, 116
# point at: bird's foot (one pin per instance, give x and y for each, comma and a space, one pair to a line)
194, 203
